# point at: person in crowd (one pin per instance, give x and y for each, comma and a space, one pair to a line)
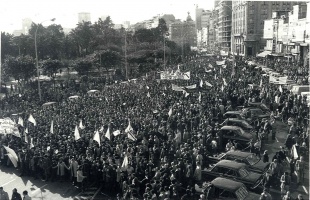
3, 194
80, 178
287, 196
300, 169
286, 180
265, 156
265, 195
16, 195
26, 196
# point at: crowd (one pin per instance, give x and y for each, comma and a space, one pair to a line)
173, 132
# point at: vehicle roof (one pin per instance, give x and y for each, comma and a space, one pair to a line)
236, 120
232, 112
226, 184
230, 128
231, 164
239, 153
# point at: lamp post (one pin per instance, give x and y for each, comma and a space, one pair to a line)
36, 51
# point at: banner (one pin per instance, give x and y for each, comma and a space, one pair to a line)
182, 88
175, 75
220, 62
8, 126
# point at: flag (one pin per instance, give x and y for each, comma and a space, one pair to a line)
26, 130
215, 77
199, 98
220, 70
170, 112
117, 132
97, 137
148, 95
147, 87
26, 138
12, 152
107, 134
21, 121
210, 65
52, 127
76, 133
224, 82
13, 160
101, 129
129, 128
201, 83
32, 120
81, 125
208, 84
131, 136
222, 88
261, 83
280, 89
125, 163
31, 143
294, 152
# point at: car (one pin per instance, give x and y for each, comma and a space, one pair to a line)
251, 160
233, 114
234, 133
252, 113
238, 122
260, 105
233, 170
223, 188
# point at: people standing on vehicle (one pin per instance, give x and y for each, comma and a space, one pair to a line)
300, 169
265, 156
3, 194
26, 196
16, 195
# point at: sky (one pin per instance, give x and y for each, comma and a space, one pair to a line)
65, 11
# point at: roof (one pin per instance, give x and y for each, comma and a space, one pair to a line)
230, 128
226, 184
239, 153
233, 112
231, 164
236, 120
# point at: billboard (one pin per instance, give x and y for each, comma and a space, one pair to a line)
268, 29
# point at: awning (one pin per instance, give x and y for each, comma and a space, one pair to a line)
263, 54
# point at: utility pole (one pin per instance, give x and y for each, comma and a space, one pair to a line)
126, 67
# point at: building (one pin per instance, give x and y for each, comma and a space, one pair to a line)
287, 33
248, 24
84, 16
202, 24
126, 24
169, 19
183, 32
26, 25
224, 24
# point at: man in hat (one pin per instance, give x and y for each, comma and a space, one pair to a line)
15, 195
3, 194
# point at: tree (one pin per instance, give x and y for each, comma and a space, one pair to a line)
8, 46
21, 67
108, 58
51, 67
83, 36
83, 66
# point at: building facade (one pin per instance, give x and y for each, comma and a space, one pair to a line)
287, 33
84, 16
248, 24
224, 24
183, 32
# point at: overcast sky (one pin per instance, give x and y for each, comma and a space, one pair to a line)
65, 11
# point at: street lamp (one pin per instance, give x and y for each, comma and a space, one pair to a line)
36, 50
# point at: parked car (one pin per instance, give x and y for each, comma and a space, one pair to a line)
237, 122
234, 133
260, 105
251, 160
233, 170
252, 113
233, 114
222, 188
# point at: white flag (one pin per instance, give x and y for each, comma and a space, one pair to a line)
280, 89
52, 127
81, 125
224, 82
129, 128
117, 132
12, 152
76, 133
26, 138
26, 130
21, 121
125, 163
97, 137
199, 98
107, 134
148, 95
31, 143
294, 152
215, 77
13, 160
261, 83
170, 112
201, 83
222, 88
208, 84
32, 120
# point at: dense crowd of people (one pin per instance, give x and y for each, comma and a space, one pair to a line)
174, 132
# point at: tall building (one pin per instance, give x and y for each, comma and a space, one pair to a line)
126, 24
202, 24
83, 16
26, 25
248, 24
224, 24
183, 32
